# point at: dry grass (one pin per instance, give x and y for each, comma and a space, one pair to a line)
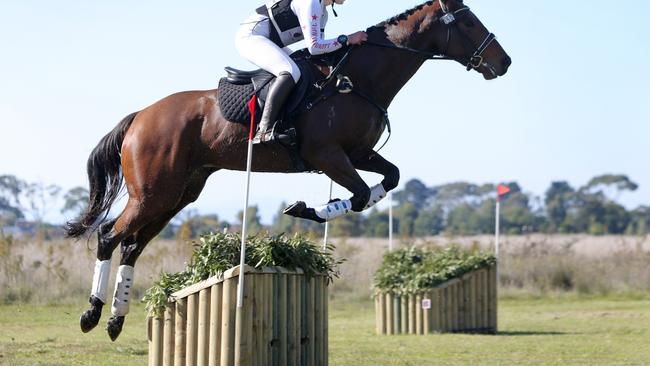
61, 271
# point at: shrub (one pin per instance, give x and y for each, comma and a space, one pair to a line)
216, 253
413, 269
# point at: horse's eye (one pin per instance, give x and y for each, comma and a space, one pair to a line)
469, 23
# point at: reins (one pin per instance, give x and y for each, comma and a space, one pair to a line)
448, 18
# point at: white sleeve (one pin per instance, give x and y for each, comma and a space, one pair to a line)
310, 14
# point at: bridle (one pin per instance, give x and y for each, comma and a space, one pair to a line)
449, 19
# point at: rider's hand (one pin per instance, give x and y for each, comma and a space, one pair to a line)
357, 38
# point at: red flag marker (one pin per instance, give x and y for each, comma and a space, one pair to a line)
252, 104
502, 190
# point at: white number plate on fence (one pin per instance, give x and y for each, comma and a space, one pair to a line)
426, 304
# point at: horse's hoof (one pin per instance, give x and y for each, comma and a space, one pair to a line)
300, 210
296, 209
114, 327
90, 318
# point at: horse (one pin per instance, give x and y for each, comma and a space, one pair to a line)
164, 153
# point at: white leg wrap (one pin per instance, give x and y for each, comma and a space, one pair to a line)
100, 279
123, 284
333, 210
377, 193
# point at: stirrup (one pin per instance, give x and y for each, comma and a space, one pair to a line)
262, 137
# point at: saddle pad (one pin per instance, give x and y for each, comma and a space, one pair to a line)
233, 100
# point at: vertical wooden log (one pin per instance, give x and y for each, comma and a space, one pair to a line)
426, 312
461, 304
268, 318
282, 317
412, 319
203, 333
293, 315
318, 321
480, 300
454, 306
192, 329
244, 324
214, 353
473, 301
311, 322
380, 298
180, 326
419, 317
437, 310
168, 336
326, 325
150, 347
404, 312
397, 314
449, 323
388, 300
493, 299
258, 315
486, 302
466, 301
228, 318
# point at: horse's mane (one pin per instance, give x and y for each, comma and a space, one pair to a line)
397, 18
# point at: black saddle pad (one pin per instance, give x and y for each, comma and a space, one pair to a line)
234, 95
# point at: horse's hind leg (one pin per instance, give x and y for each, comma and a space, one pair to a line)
132, 249
107, 243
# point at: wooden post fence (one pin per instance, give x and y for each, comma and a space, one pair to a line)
284, 322
466, 305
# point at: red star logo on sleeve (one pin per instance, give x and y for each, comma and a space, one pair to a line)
314, 17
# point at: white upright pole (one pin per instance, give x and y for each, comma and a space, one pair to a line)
327, 224
390, 221
242, 259
496, 234
249, 162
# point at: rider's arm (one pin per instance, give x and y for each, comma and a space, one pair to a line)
309, 13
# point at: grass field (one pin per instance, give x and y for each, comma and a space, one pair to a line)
567, 330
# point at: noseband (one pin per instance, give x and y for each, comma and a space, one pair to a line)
449, 19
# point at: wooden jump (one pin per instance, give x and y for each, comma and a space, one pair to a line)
283, 322
466, 305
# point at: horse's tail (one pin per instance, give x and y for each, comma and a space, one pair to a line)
104, 177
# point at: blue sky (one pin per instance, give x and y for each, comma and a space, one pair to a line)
574, 104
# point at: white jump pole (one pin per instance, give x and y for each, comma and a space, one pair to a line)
496, 234
249, 163
327, 224
390, 221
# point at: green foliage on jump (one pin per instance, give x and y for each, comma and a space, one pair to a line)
214, 254
412, 270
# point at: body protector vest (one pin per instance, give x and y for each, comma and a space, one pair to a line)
286, 29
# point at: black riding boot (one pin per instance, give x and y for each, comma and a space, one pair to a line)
278, 94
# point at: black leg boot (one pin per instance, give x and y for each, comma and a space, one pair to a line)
278, 94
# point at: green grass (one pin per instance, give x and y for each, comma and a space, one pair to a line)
566, 330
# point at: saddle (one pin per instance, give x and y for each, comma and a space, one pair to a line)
238, 87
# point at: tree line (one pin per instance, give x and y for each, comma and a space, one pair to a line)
419, 210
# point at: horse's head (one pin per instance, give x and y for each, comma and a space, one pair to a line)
469, 42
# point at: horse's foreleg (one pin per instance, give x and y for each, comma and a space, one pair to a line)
336, 165
375, 163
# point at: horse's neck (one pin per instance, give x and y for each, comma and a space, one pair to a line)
385, 71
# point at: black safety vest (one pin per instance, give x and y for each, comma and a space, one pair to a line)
285, 28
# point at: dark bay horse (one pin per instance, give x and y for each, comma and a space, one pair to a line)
165, 153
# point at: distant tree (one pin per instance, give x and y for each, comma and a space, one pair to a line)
610, 186
75, 201
406, 214
376, 224
253, 220
10, 205
429, 222
559, 199
350, 225
639, 221
40, 198
414, 192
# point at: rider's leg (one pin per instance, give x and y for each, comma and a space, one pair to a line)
261, 51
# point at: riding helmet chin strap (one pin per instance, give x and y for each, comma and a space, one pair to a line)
123, 285
334, 11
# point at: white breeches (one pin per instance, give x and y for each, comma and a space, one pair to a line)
253, 43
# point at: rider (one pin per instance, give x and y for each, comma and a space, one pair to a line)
263, 39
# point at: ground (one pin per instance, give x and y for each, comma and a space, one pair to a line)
554, 330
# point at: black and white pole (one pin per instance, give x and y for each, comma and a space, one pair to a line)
249, 162
390, 221
327, 223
